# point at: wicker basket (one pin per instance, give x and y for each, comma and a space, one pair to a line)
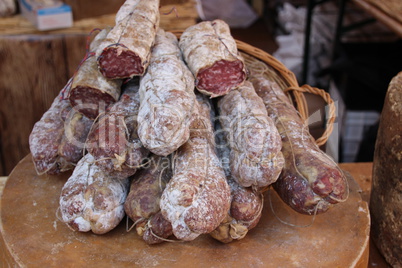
257, 59
276, 71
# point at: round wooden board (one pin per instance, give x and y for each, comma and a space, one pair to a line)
33, 236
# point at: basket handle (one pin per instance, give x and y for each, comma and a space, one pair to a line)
297, 91
303, 108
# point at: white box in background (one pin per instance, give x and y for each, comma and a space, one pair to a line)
47, 17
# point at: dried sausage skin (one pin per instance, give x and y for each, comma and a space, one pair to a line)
126, 51
211, 54
197, 198
255, 145
113, 139
310, 181
91, 200
167, 98
246, 204
142, 203
91, 93
57, 140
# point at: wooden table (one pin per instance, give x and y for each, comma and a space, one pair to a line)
361, 172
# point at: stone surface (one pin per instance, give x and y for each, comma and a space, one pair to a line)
386, 194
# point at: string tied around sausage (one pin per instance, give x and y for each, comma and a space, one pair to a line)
128, 229
149, 227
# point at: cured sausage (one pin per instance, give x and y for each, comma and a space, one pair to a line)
211, 54
255, 145
113, 140
57, 140
76, 129
246, 205
167, 98
197, 198
158, 229
243, 215
92, 200
91, 93
142, 203
310, 181
127, 49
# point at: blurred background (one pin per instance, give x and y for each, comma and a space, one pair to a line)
349, 48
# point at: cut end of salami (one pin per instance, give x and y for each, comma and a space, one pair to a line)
332, 186
221, 77
116, 62
89, 101
305, 201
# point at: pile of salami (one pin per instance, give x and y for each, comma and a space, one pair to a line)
177, 135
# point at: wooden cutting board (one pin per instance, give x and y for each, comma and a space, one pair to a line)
33, 236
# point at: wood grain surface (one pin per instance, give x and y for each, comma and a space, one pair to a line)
174, 16
362, 173
33, 71
31, 230
89, 8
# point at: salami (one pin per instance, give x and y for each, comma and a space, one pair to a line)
142, 203
57, 140
127, 49
76, 129
158, 229
246, 204
92, 200
244, 214
91, 93
113, 140
167, 98
211, 54
197, 198
310, 181
255, 145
